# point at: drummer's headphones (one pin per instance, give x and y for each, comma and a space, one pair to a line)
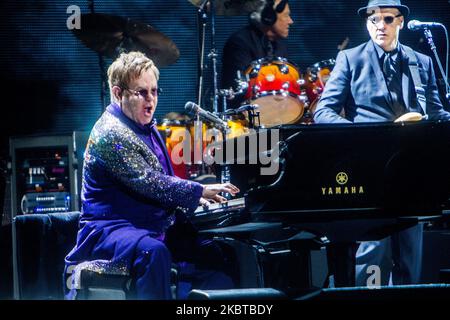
269, 13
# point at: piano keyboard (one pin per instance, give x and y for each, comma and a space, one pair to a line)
218, 214
232, 204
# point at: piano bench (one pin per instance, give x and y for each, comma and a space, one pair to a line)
237, 294
100, 280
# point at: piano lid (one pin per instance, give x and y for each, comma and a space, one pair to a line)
393, 168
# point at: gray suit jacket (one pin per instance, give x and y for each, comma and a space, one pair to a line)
357, 85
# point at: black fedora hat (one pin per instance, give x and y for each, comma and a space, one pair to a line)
364, 11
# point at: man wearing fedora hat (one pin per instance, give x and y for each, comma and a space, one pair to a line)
379, 81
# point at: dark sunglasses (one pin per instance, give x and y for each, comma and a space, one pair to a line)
388, 19
144, 93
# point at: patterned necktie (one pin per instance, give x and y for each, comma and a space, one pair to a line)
389, 65
393, 81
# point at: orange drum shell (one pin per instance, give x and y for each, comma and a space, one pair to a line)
271, 79
316, 78
169, 132
315, 88
275, 86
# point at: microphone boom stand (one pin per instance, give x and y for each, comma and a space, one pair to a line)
203, 17
198, 124
429, 37
213, 55
225, 175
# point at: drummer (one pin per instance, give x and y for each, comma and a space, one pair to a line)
268, 24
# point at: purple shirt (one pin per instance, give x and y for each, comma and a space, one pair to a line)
149, 134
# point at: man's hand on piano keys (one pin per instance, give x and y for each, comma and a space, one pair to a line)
211, 191
204, 203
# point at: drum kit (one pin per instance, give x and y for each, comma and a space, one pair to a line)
280, 94
274, 88
283, 95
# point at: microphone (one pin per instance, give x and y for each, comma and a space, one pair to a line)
417, 25
191, 107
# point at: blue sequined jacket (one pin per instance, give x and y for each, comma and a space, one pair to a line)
124, 179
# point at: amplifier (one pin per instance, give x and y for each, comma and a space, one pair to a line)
45, 202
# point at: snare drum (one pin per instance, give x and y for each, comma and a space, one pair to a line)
274, 85
317, 76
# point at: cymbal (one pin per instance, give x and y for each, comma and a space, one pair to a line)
111, 35
231, 7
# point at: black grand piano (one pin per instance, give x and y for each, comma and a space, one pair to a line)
346, 182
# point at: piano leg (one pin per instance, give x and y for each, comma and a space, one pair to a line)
341, 263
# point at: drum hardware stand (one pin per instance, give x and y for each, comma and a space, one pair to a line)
225, 174
202, 22
202, 19
213, 52
230, 94
224, 168
304, 98
198, 124
242, 83
226, 95
198, 141
213, 55
429, 37
252, 115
